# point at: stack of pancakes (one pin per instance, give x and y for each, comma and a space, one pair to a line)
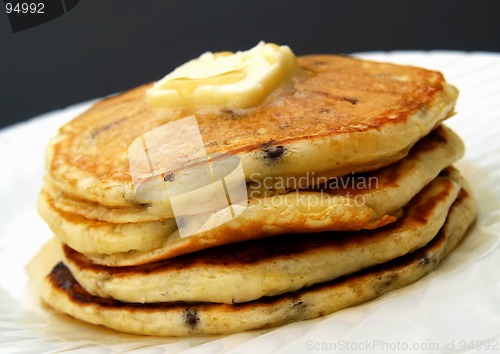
378, 205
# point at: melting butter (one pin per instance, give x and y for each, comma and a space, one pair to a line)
226, 80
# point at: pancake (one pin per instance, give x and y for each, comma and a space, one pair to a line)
396, 184
247, 271
65, 295
340, 208
342, 115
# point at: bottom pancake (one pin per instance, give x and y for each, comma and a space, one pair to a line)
64, 294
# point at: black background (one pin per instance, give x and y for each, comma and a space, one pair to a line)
105, 46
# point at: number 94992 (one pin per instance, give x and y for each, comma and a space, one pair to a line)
25, 7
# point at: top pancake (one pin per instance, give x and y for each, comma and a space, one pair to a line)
342, 115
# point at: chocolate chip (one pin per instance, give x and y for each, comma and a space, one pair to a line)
190, 318
324, 110
352, 100
274, 153
169, 177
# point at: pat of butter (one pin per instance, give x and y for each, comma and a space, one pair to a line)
227, 80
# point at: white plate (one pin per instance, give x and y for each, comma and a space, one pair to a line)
454, 309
